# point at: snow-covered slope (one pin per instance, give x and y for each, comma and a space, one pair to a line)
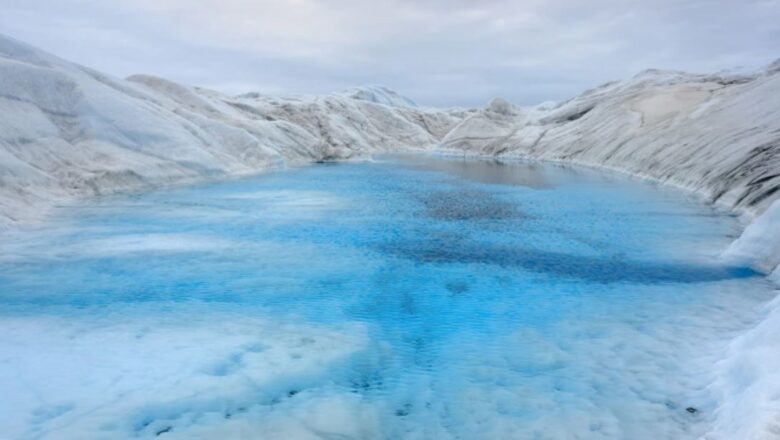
380, 95
716, 135
68, 131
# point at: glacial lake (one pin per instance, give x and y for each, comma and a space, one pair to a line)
395, 298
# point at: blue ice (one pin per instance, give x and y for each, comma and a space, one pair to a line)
397, 298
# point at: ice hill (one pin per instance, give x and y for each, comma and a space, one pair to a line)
380, 95
716, 135
68, 131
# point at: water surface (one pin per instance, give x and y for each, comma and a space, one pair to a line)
399, 298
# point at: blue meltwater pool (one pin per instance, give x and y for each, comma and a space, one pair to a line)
398, 298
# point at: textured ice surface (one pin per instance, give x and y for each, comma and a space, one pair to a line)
759, 244
747, 383
391, 299
380, 95
68, 131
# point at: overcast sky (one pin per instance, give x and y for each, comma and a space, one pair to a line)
437, 52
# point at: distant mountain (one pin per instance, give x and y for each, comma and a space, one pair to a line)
379, 95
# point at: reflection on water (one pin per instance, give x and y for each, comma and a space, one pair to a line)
492, 171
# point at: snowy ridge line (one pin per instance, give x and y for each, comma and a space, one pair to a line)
715, 135
70, 132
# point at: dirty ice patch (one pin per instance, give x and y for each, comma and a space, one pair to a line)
118, 374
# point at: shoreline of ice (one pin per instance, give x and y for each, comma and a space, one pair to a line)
69, 132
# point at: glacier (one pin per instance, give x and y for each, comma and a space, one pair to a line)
68, 132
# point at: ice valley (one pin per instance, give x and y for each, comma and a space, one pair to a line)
141, 314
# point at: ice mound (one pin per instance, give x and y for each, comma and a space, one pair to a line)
380, 95
500, 106
759, 244
711, 134
68, 131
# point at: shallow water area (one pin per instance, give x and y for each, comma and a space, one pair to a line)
398, 298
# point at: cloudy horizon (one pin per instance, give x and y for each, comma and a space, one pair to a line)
439, 53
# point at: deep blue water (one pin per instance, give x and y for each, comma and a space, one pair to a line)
495, 300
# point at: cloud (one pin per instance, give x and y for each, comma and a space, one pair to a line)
439, 52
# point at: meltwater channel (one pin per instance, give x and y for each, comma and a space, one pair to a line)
396, 298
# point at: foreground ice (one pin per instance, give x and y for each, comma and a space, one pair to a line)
347, 301
120, 373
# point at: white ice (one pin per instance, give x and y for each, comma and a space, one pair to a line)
137, 372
